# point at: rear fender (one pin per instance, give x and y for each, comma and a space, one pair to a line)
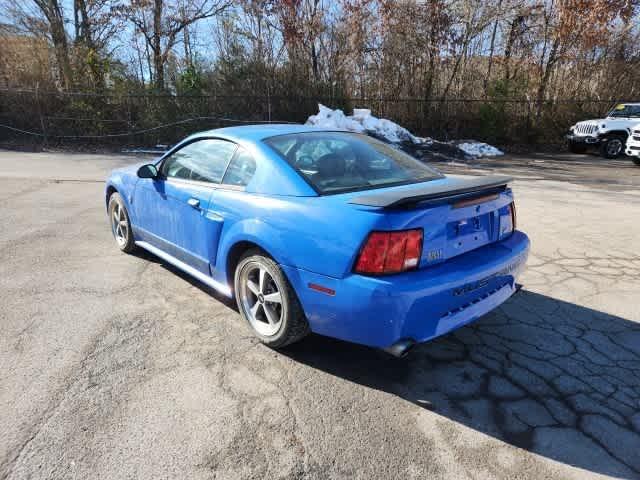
254, 231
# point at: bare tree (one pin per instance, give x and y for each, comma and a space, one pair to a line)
168, 20
412, 60
45, 18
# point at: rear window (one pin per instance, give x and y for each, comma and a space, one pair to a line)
336, 162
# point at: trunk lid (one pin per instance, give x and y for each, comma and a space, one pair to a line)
457, 214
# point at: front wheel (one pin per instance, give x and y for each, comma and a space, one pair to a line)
267, 301
612, 147
636, 160
120, 224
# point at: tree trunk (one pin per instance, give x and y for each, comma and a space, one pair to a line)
456, 65
546, 74
188, 58
492, 46
61, 48
508, 49
314, 62
433, 51
53, 13
81, 23
158, 58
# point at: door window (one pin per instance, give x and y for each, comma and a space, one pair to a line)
241, 169
203, 160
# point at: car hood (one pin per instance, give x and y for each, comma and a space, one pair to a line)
611, 123
622, 123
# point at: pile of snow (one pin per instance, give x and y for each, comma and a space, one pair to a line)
363, 122
479, 149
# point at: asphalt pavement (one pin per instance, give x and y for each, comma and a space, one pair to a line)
118, 366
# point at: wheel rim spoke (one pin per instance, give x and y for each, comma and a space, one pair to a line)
273, 297
271, 317
119, 224
263, 274
254, 310
255, 289
262, 300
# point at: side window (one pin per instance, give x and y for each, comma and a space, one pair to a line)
203, 160
241, 169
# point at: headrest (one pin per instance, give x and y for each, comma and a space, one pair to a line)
331, 166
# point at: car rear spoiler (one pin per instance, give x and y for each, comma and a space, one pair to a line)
456, 188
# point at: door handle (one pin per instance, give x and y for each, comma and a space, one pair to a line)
194, 202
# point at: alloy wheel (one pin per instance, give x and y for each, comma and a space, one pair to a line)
119, 224
614, 146
261, 299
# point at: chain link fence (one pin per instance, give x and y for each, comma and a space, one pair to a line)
54, 118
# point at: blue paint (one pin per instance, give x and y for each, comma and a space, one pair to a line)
468, 266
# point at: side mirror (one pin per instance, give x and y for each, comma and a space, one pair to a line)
148, 171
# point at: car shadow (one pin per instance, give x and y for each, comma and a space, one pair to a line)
149, 257
551, 377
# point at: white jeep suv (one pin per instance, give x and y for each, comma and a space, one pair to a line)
609, 134
633, 144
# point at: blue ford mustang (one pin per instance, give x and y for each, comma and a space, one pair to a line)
325, 231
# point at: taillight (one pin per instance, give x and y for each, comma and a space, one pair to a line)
508, 222
514, 217
390, 252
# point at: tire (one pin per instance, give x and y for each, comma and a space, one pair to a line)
575, 147
276, 323
120, 224
612, 146
636, 160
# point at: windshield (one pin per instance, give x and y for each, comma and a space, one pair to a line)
625, 111
335, 162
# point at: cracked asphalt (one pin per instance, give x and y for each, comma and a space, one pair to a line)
118, 366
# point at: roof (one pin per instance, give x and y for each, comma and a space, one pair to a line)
261, 131
279, 178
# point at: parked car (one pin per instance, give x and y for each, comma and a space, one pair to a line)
609, 134
332, 232
633, 144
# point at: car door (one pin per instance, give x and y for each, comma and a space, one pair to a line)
173, 209
228, 204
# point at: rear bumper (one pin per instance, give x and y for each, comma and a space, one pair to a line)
421, 305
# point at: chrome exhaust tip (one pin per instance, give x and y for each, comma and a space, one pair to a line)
401, 348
